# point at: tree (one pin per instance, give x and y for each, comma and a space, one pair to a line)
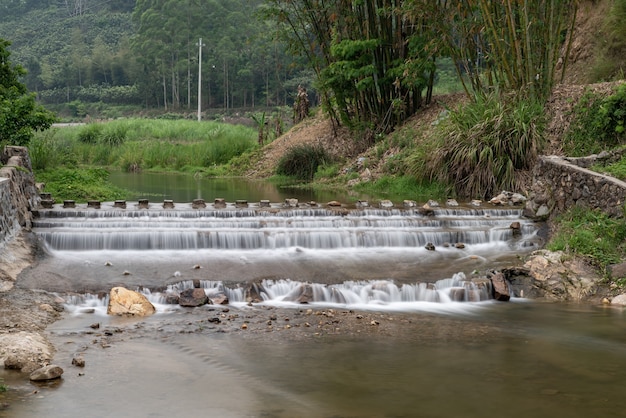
511, 46
20, 115
372, 63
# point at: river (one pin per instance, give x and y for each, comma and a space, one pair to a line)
382, 349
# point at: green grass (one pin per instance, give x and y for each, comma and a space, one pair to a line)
591, 234
598, 123
402, 188
141, 144
81, 184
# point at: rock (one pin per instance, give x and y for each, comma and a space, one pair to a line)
517, 228
500, 287
618, 271
508, 199
459, 245
78, 360
253, 292
291, 203
46, 373
218, 299
24, 351
430, 246
561, 278
452, 203
433, 203
193, 297
334, 204
302, 294
619, 300
426, 210
385, 204
128, 302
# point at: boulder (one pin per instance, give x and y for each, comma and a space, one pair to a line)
619, 300
49, 372
193, 297
618, 271
24, 351
302, 294
500, 287
219, 298
561, 278
126, 302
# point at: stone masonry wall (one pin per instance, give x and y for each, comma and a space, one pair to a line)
18, 194
561, 183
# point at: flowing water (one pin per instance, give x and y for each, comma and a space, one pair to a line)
433, 345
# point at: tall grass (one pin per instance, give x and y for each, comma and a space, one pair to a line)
484, 145
142, 144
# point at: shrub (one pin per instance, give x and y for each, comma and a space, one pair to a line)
114, 135
484, 144
597, 123
90, 134
302, 161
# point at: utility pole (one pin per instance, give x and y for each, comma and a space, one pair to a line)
200, 45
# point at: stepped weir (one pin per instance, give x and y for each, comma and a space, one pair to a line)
330, 254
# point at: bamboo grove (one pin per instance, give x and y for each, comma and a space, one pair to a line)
375, 60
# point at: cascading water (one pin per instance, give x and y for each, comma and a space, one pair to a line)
365, 258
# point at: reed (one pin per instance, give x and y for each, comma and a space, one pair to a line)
142, 144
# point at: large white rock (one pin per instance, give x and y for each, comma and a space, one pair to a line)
128, 302
619, 300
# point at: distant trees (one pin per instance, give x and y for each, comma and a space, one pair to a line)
145, 52
19, 114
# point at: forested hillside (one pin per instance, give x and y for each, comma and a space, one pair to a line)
146, 53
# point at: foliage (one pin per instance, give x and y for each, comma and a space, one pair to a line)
20, 115
79, 184
372, 63
611, 59
403, 188
616, 169
136, 144
145, 53
508, 45
484, 143
302, 161
91, 133
598, 123
592, 234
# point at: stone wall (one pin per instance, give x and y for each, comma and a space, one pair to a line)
561, 183
18, 194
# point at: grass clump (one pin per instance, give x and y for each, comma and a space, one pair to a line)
598, 123
302, 161
591, 234
482, 146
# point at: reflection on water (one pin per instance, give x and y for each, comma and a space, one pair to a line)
185, 188
524, 359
